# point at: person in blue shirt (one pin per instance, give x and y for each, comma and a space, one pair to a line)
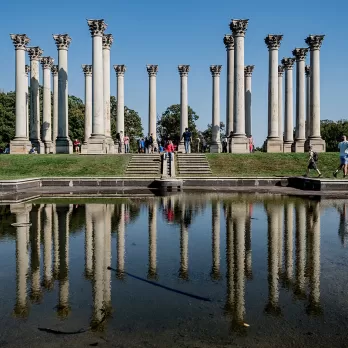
343, 147
187, 135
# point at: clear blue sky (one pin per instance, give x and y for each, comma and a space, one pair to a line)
169, 33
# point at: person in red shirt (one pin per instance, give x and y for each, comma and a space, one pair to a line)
169, 149
77, 145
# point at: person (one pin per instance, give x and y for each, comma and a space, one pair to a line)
312, 162
126, 143
224, 145
343, 146
161, 148
33, 151
230, 141
251, 144
204, 145
150, 142
77, 145
169, 149
7, 149
187, 139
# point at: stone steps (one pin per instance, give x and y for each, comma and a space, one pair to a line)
193, 164
144, 164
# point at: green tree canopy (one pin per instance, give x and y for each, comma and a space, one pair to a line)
7, 117
332, 131
207, 134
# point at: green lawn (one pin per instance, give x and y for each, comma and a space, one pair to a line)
269, 164
30, 166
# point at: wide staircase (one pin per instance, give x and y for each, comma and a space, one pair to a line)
144, 165
193, 164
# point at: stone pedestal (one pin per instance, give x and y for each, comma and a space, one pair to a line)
183, 71
240, 145
215, 146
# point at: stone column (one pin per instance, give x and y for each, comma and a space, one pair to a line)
63, 142
229, 260
248, 71
20, 144
248, 252
288, 242
96, 143
229, 43
27, 71
273, 142
107, 42
215, 146
184, 239
87, 69
308, 100
121, 244
288, 64
54, 71
215, 271
300, 133
314, 42
109, 210
152, 71
183, 71
47, 278
239, 142
35, 54
88, 243
120, 71
152, 272
47, 63
280, 101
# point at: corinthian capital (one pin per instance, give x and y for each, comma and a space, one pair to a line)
34, 53
87, 69
62, 41
183, 70
239, 27
54, 69
27, 70
152, 70
314, 41
248, 70
229, 41
280, 70
47, 62
273, 41
108, 39
215, 70
97, 26
20, 41
308, 70
120, 69
300, 53
288, 63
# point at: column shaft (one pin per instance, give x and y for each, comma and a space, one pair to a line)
216, 142
120, 103
229, 43
273, 94
300, 100
106, 80
308, 96
248, 73
21, 92
152, 106
27, 70
54, 71
280, 101
87, 69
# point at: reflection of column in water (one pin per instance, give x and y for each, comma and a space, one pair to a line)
48, 281
183, 272
280, 238
215, 272
288, 242
121, 244
35, 237
107, 257
314, 281
248, 252
300, 250
229, 260
63, 276
273, 233
55, 243
22, 258
98, 216
152, 272
88, 243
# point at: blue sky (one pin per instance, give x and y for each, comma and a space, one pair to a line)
169, 33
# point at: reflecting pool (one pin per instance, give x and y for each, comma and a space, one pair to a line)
187, 270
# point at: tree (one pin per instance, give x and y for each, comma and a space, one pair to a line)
169, 124
207, 134
332, 131
7, 117
76, 118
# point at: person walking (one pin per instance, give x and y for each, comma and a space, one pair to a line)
343, 147
126, 143
187, 135
312, 162
169, 149
150, 143
224, 145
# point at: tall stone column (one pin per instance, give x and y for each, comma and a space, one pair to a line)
215, 271
314, 42
183, 71
152, 71
54, 71
107, 42
120, 71
215, 146
229, 260
273, 142
109, 210
308, 100
27, 71
152, 272
248, 251
55, 243
288, 64
239, 141
300, 134
87, 69
248, 71
184, 239
229, 43
121, 243
288, 242
47, 278
20, 144
96, 143
63, 142
88, 243
47, 63
280, 101
35, 54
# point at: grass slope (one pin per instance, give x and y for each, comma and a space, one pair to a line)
270, 164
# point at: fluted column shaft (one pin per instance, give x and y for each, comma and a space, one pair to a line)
120, 71
87, 69
308, 101
107, 42
229, 43
216, 142
27, 70
54, 71
280, 101
183, 71
152, 71
248, 71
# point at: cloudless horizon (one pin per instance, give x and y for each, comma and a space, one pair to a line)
169, 33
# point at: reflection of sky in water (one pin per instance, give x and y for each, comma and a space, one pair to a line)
294, 269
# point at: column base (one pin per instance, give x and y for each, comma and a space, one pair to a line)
84, 149
96, 145
116, 147
287, 147
318, 144
274, 145
48, 145
40, 147
20, 146
298, 146
110, 145
215, 148
240, 145
64, 145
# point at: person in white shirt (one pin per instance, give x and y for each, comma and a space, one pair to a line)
343, 146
